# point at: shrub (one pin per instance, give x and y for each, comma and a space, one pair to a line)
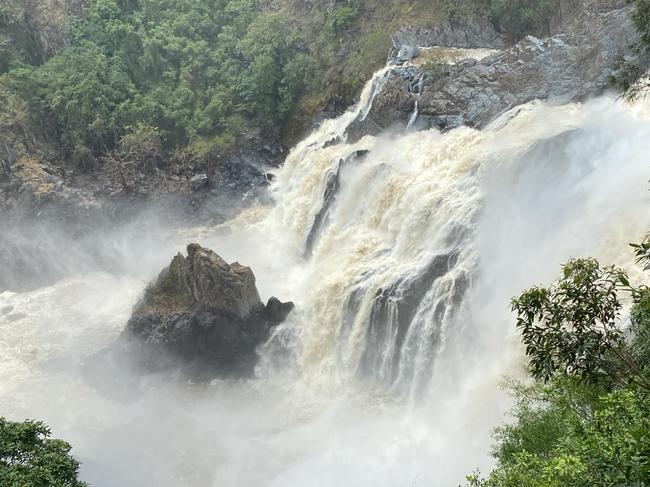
435, 70
586, 419
29, 457
342, 17
517, 18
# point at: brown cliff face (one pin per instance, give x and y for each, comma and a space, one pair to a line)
203, 279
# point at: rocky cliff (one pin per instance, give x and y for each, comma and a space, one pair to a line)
36, 29
590, 40
203, 315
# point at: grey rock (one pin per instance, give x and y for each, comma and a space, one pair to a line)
203, 316
452, 33
199, 182
570, 11
277, 311
563, 68
404, 53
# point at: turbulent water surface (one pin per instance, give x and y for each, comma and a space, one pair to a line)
401, 253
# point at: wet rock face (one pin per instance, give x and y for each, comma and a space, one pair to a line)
578, 61
204, 279
203, 316
453, 33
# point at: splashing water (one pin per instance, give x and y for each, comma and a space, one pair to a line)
387, 373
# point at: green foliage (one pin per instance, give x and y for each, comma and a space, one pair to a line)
195, 70
18, 45
14, 114
567, 434
273, 74
629, 78
7, 54
642, 251
626, 79
342, 17
435, 70
640, 329
455, 9
641, 20
570, 327
568, 431
29, 457
516, 18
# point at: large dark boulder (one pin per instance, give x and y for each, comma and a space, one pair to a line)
203, 316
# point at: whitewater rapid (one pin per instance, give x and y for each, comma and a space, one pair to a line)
388, 371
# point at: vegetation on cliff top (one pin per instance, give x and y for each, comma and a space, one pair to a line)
194, 71
631, 78
198, 75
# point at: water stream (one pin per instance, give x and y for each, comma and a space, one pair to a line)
387, 373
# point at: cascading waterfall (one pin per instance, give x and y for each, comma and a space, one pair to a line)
391, 235
401, 252
414, 115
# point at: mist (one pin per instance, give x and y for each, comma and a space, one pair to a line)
331, 404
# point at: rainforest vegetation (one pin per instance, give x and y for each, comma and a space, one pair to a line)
584, 417
193, 76
30, 457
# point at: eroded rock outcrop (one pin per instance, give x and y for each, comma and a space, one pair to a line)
37, 28
203, 315
590, 40
477, 32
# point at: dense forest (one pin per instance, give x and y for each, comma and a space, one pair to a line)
191, 77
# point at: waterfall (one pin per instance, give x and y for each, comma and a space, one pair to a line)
401, 252
394, 239
370, 92
414, 115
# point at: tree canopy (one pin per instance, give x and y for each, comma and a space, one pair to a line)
585, 420
29, 457
195, 70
